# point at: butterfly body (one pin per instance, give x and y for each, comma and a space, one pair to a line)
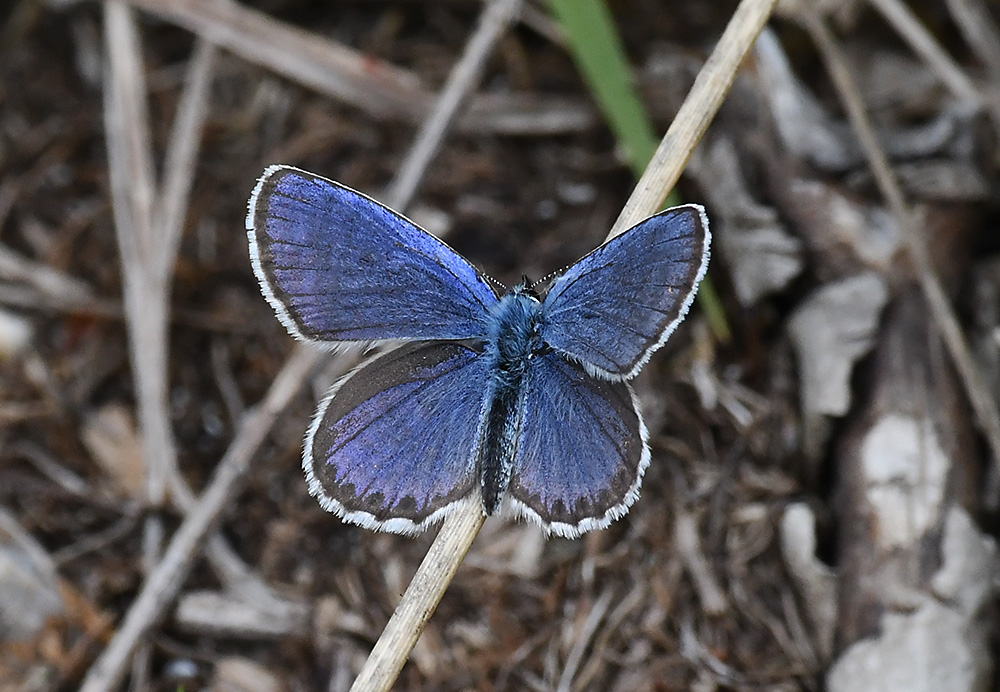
513, 343
517, 400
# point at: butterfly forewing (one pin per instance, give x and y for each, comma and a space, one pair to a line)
338, 266
617, 305
582, 449
394, 446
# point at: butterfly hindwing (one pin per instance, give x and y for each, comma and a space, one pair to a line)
338, 266
617, 305
582, 448
394, 445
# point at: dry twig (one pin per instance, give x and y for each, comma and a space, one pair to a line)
164, 582
706, 96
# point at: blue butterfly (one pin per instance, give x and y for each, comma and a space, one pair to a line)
522, 397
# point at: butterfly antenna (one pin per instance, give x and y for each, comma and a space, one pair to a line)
527, 286
547, 279
497, 284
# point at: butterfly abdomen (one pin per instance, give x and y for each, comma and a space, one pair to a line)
513, 341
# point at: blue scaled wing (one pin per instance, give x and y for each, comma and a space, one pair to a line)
582, 450
617, 305
338, 266
393, 447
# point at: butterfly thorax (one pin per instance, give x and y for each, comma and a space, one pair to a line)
513, 334
513, 340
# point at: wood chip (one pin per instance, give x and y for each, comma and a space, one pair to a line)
113, 442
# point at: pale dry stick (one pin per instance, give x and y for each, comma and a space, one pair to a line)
148, 233
327, 66
632, 601
587, 631
182, 156
498, 15
901, 18
699, 108
982, 401
163, 584
30, 284
423, 594
400, 635
132, 192
148, 245
47, 280
980, 31
688, 546
36, 300
461, 528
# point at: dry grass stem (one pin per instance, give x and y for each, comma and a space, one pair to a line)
980, 31
133, 189
924, 44
181, 157
429, 583
582, 641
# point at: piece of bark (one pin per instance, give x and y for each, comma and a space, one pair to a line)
831, 331
830, 144
111, 437
815, 581
236, 674
805, 129
843, 233
943, 642
911, 597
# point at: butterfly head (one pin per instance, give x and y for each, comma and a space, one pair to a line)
527, 287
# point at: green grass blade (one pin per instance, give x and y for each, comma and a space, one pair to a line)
600, 57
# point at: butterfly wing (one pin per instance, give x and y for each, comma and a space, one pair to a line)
393, 446
618, 304
582, 450
338, 266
